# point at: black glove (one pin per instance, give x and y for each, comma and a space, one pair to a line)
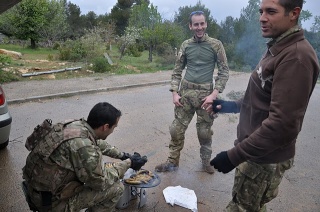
222, 163
125, 156
137, 161
226, 106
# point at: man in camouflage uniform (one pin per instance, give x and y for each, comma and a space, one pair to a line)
195, 91
272, 109
65, 171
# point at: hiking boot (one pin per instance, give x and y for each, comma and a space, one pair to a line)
207, 167
166, 167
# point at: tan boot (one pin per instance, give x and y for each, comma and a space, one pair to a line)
207, 167
166, 167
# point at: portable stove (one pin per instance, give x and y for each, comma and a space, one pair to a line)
134, 191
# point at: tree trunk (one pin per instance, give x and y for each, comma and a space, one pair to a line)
33, 43
150, 53
122, 48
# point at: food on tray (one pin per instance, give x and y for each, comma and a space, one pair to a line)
108, 165
141, 177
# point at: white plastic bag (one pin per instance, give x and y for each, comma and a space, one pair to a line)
183, 197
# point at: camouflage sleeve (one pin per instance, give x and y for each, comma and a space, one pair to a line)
89, 167
178, 68
108, 150
223, 69
122, 167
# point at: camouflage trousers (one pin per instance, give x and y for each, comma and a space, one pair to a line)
255, 185
103, 200
191, 98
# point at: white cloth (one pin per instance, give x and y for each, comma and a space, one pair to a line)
183, 197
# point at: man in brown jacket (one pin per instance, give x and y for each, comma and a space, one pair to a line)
272, 110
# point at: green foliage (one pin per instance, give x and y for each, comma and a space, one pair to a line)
55, 25
166, 55
4, 60
163, 49
316, 25
314, 39
72, 50
120, 14
7, 76
74, 20
133, 50
29, 16
130, 37
86, 48
101, 65
92, 44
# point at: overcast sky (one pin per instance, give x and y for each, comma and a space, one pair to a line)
167, 8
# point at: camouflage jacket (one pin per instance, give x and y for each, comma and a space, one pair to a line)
69, 157
200, 57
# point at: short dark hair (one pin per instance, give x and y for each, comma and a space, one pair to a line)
103, 113
289, 5
199, 12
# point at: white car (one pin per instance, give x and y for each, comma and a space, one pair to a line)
5, 120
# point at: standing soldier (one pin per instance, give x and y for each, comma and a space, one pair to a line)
199, 55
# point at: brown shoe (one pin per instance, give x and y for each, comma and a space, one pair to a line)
207, 167
166, 167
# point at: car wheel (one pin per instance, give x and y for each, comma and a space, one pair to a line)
4, 145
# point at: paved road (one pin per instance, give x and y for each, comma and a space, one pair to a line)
24, 91
145, 123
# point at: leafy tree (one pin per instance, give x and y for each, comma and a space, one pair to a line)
28, 19
107, 31
148, 19
55, 27
314, 35
5, 22
304, 15
228, 36
120, 14
75, 21
316, 25
131, 35
90, 20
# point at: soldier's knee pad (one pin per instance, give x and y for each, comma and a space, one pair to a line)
173, 131
176, 132
205, 133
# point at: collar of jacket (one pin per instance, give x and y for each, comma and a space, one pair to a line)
204, 38
91, 131
293, 35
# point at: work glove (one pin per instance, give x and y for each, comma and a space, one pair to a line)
137, 161
222, 163
226, 106
125, 156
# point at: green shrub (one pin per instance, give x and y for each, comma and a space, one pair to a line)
163, 49
72, 50
166, 54
101, 65
5, 59
56, 46
7, 76
133, 50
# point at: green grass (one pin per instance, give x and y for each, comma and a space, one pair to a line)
30, 54
131, 65
42, 59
